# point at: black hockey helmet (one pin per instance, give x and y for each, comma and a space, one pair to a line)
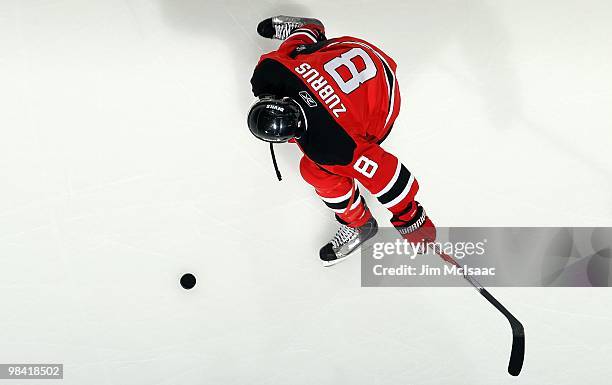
276, 120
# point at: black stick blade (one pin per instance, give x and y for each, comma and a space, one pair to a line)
517, 355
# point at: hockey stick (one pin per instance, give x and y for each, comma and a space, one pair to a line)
517, 353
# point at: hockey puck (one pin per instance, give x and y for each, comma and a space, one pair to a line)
188, 281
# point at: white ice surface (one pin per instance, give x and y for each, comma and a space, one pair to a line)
125, 161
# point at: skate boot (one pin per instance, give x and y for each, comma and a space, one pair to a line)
279, 27
347, 240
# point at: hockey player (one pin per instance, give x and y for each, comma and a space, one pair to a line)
337, 99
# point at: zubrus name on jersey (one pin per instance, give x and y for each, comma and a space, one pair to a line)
319, 84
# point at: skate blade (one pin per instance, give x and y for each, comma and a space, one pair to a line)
335, 261
338, 260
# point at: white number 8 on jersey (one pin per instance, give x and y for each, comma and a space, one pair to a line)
356, 77
366, 166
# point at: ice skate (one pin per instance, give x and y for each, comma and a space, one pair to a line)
347, 240
280, 27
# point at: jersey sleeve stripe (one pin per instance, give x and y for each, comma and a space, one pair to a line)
356, 203
398, 188
341, 206
337, 199
390, 82
337, 206
344, 209
391, 182
403, 194
391, 87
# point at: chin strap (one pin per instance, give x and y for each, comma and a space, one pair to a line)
278, 174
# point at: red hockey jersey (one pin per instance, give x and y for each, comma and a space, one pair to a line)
346, 87
349, 95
